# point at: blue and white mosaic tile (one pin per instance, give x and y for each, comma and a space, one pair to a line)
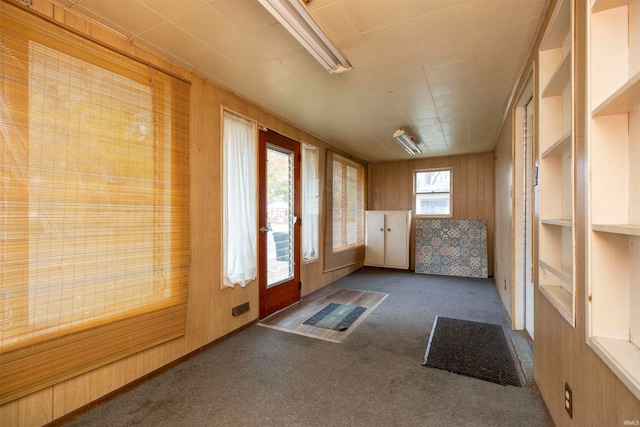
451, 247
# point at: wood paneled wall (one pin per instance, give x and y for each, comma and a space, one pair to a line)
391, 188
209, 305
503, 207
561, 354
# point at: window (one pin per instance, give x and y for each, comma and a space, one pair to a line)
344, 237
310, 202
433, 192
94, 212
240, 200
348, 203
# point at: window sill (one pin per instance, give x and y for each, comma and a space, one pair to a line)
347, 248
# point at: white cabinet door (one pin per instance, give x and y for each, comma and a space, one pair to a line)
374, 245
387, 239
395, 240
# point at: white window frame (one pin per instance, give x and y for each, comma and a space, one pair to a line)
416, 193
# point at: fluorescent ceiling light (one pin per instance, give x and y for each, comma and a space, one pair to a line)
406, 142
295, 17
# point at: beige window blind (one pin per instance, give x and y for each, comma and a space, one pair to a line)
94, 242
344, 237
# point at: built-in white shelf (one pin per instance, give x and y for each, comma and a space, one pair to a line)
613, 260
622, 101
560, 79
600, 5
566, 278
623, 358
556, 187
560, 147
560, 299
559, 26
626, 229
557, 222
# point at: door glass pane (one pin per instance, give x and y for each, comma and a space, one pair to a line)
280, 216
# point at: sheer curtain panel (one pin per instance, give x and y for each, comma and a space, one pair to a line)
310, 202
94, 213
240, 200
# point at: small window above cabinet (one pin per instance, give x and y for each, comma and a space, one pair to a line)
556, 162
613, 100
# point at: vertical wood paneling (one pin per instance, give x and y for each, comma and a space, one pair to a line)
9, 414
43, 7
312, 274
391, 188
131, 368
560, 352
472, 187
209, 305
461, 179
71, 394
480, 184
489, 211
36, 409
108, 378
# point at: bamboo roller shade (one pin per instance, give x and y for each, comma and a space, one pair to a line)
344, 236
94, 247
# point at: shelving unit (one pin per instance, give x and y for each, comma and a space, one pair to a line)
555, 164
614, 190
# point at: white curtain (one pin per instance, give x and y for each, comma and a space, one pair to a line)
310, 202
240, 197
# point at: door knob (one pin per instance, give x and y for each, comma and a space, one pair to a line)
264, 229
382, 229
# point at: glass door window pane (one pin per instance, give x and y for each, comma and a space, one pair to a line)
280, 206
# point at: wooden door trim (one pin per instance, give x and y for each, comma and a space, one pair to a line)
265, 138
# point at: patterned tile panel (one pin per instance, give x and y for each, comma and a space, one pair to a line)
451, 247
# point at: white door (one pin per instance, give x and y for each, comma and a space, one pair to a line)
374, 244
396, 240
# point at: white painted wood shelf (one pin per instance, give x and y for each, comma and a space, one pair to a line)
560, 299
560, 147
564, 277
622, 101
566, 223
625, 229
560, 79
600, 5
624, 360
613, 279
556, 186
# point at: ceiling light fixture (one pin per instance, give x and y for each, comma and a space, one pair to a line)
295, 17
406, 142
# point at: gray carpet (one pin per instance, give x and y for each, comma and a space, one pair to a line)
265, 377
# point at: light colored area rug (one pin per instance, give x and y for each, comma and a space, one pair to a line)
292, 319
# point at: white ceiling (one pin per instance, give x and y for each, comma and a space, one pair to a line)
443, 70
